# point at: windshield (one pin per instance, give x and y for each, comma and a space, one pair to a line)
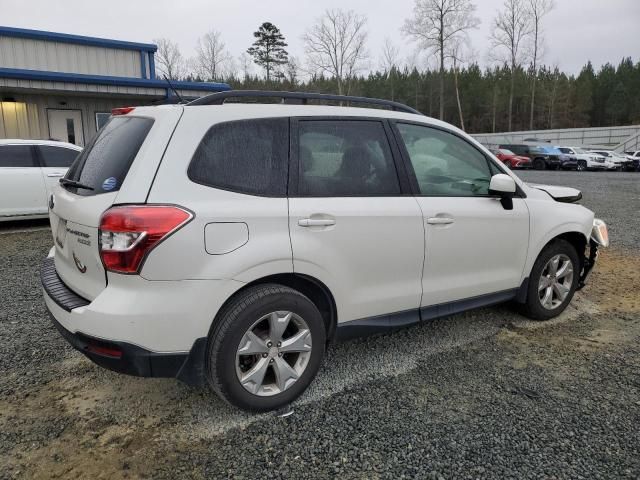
580, 150
504, 151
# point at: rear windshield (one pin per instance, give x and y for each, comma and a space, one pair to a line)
105, 162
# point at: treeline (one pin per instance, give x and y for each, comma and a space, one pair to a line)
608, 97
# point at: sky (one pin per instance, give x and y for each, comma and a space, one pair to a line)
575, 31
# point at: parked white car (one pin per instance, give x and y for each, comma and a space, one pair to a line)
29, 169
586, 160
613, 160
228, 243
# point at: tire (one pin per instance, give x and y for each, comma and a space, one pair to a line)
582, 166
225, 364
539, 164
533, 308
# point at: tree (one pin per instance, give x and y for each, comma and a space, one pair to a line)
537, 10
510, 29
212, 56
335, 45
245, 64
268, 49
436, 24
168, 59
389, 62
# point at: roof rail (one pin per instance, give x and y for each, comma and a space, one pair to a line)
299, 98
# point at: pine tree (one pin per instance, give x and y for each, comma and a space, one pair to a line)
268, 49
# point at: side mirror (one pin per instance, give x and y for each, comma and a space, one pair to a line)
503, 186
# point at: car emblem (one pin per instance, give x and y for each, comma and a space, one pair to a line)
51, 202
79, 265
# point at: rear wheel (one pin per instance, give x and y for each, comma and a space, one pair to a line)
538, 164
553, 281
265, 348
582, 166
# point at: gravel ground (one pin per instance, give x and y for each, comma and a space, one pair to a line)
485, 394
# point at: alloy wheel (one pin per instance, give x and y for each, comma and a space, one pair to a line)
555, 281
273, 353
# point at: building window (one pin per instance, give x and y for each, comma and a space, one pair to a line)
101, 119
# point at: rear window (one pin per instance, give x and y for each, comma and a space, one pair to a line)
105, 162
16, 156
246, 156
57, 156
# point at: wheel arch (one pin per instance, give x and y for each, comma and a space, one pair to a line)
309, 286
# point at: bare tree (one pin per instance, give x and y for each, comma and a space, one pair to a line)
510, 29
212, 57
168, 59
436, 24
390, 62
456, 56
335, 45
390, 56
246, 64
537, 10
292, 70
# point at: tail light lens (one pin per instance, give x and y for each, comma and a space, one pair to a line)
129, 233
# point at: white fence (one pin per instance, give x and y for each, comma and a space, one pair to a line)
615, 138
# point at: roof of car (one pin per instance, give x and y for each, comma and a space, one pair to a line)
54, 143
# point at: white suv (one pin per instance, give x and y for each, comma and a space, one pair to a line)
29, 169
227, 243
586, 160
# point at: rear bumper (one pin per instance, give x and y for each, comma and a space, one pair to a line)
130, 359
139, 327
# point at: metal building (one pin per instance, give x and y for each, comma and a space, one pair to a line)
63, 87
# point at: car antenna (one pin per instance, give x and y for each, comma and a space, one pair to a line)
174, 90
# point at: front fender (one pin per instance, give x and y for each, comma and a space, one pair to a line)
549, 220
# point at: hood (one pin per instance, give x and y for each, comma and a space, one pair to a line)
560, 194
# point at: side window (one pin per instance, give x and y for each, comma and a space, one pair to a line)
339, 158
247, 156
16, 156
57, 156
445, 164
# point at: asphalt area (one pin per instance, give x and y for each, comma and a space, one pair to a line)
486, 394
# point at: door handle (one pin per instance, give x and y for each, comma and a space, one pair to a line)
316, 222
439, 220
55, 175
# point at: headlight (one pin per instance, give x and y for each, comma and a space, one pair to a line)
599, 233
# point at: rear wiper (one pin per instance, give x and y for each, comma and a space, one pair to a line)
73, 183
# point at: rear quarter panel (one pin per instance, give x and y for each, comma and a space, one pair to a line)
185, 255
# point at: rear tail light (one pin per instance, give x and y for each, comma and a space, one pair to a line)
129, 233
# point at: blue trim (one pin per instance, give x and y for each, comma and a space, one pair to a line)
152, 66
143, 64
77, 39
108, 80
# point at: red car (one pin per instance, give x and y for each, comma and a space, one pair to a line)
510, 159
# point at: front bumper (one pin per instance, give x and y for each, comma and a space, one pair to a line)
588, 262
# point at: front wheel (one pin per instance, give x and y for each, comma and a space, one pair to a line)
582, 166
265, 348
553, 281
539, 164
